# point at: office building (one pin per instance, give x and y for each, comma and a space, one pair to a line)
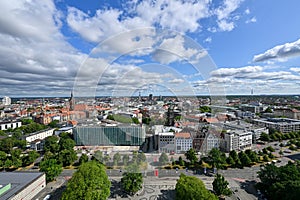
97, 135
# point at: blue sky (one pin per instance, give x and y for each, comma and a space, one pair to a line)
183, 47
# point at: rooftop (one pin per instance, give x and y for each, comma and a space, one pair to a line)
182, 135
18, 181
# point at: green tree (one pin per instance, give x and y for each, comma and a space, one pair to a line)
132, 182
65, 135
3, 155
30, 158
66, 144
264, 137
89, 182
191, 155
51, 168
180, 161
134, 156
216, 158
220, 186
116, 158
106, 159
252, 155
83, 159
245, 160
125, 159
280, 182
141, 157
54, 124
7, 163
51, 144
270, 148
230, 161
192, 188
98, 155
67, 157
205, 109
135, 120
163, 158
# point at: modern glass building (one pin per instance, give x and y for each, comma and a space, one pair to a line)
109, 135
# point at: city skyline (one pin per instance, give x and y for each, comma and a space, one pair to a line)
165, 47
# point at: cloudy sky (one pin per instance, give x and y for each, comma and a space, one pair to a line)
179, 47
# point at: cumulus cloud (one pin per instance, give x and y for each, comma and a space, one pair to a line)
295, 69
173, 49
33, 52
164, 13
242, 80
279, 52
176, 81
182, 16
223, 13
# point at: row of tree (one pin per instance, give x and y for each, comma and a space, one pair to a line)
136, 157
277, 136
15, 158
218, 159
59, 152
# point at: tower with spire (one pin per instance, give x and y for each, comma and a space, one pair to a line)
72, 101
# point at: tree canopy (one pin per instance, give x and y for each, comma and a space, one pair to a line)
191, 155
280, 182
220, 186
163, 159
192, 188
51, 169
89, 182
132, 182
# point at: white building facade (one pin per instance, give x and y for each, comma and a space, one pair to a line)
183, 142
12, 125
40, 135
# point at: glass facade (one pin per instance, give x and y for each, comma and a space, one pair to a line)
109, 136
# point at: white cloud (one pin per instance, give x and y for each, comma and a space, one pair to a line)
224, 12
176, 81
173, 49
223, 72
225, 25
33, 52
247, 11
252, 20
295, 69
208, 40
279, 52
164, 13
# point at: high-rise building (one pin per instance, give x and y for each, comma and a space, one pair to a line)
6, 101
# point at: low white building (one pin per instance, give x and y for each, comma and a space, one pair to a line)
41, 135
238, 140
13, 124
183, 142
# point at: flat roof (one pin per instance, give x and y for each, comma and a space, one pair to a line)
18, 181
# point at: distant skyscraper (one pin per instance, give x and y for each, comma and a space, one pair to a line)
6, 101
251, 91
